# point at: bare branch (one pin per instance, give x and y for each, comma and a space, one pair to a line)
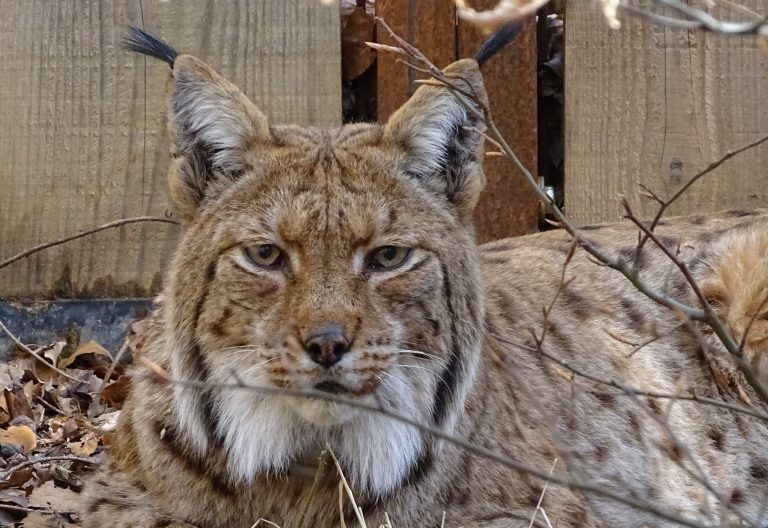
691, 313
673, 257
110, 225
463, 443
42, 460
506, 11
686, 395
29, 351
690, 17
114, 364
696, 177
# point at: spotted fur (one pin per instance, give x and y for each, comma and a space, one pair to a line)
445, 339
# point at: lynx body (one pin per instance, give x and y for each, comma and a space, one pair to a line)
344, 261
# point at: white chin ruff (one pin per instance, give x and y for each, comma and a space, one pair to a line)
270, 434
324, 413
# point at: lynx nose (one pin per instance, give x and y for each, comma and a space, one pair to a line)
327, 346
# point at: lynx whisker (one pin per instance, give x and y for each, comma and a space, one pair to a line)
427, 369
399, 381
414, 352
258, 365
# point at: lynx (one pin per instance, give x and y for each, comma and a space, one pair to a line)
344, 261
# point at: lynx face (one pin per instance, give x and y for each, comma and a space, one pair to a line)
340, 261
316, 278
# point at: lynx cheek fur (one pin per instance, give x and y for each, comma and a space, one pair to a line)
344, 260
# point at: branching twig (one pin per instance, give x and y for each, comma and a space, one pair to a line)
42, 460
463, 443
689, 395
638, 347
693, 18
41, 401
696, 177
704, 314
110, 225
29, 351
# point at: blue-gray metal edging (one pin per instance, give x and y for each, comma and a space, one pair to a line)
102, 320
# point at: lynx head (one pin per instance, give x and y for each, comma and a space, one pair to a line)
337, 260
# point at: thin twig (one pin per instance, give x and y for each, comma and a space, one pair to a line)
343, 482
463, 443
653, 339
541, 497
697, 472
113, 365
690, 394
110, 225
629, 214
45, 459
696, 177
24, 509
304, 521
752, 320
29, 351
41, 401
694, 18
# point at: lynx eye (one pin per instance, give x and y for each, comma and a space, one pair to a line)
267, 256
387, 257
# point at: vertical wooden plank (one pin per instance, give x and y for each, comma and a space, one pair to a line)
653, 105
82, 123
429, 25
508, 205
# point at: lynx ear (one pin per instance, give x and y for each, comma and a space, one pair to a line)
440, 137
213, 125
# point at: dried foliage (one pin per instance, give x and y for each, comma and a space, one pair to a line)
59, 404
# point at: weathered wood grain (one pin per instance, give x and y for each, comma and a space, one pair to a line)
507, 207
429, 25
82, 123
653, 105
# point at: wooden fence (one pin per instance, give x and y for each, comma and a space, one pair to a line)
82, 123
82, 138
653, 105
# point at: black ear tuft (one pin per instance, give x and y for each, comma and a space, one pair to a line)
497, 42
142, 42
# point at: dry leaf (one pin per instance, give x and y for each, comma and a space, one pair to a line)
91, 347
18, 405
86, 446
50, 497
20, 436
52, 354
115, 393
11, 373
5, 414
18, 478
70, 428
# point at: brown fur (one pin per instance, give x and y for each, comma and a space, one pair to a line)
444, 339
